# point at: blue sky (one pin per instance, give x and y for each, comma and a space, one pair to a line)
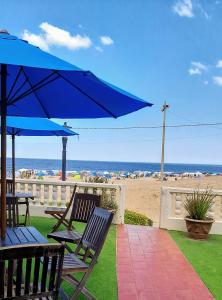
157, 50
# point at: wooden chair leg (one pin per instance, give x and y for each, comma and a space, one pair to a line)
61, 221
62, 294
80, 286
69, 248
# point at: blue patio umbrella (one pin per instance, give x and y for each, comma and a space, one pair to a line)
20, 126
37, 84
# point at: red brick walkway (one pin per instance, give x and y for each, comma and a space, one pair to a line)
150, 266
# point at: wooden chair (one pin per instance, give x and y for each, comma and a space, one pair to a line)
9, 186
11, 211
60, 213
83, 205
20, 262
24, 201
11, 205
10, 189
91, 243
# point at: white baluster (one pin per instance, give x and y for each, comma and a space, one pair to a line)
41, 194
68, 194
38, 193
59, 196
62, 202
18, 187
46, 194
50, 194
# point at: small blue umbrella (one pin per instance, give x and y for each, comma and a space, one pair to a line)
37, 84
20, 126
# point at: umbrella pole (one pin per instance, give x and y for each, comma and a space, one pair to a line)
13, 161
3, 148
64, 144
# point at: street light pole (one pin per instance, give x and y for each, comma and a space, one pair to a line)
64, 144
164, 108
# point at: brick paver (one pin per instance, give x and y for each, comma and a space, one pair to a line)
150, 266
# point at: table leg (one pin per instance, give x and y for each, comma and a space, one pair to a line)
27, 215
17, 213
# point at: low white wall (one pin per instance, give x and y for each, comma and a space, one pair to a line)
172, 212
58, 193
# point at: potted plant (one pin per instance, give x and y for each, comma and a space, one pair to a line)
197, 206
109, 204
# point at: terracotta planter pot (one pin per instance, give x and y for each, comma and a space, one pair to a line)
198, 229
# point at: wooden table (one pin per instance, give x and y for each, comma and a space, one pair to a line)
21, 236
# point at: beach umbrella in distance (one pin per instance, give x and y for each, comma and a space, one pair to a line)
37, 84
20, 126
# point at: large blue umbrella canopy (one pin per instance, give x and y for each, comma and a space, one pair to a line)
37, 84
21, 126
42, 85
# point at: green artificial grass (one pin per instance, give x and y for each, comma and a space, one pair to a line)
205, 257
102, 281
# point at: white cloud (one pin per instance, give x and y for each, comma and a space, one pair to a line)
194, 71
36, 40
99, 49
55, 36
197, 68
217, 80
219, 63
184, 8
190, 8
206, 82
59, 37
106, 40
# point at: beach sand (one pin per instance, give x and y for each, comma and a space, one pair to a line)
143, 195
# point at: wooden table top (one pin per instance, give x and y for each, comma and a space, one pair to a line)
21, 195
22, 235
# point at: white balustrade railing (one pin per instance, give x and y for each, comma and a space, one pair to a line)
58, 193
172, 212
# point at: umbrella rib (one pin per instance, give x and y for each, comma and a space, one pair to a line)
14, 83
36, 96
34, 88
17, 91
85, 94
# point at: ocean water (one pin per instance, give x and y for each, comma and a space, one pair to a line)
78, 165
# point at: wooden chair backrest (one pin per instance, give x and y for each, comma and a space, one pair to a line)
11, 211
9, 186
95, 233
82, 207
18, 263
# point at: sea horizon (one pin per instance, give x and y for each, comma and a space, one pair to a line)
111, 166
